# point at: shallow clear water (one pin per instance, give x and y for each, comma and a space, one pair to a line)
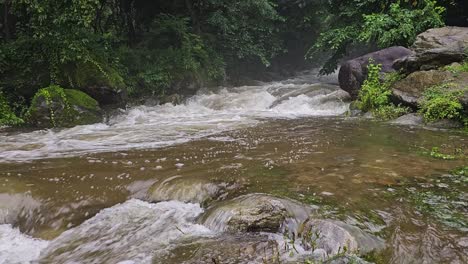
92, 194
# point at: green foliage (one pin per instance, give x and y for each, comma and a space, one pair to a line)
65, 107
246, 29
170, 54
399, 26
439, 102
373, 93
389, 112
382, 22
457, 68
7, 116
437, 154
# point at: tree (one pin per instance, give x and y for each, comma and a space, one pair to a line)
382, 22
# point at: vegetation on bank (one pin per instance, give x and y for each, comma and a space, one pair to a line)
156, 48
374, 95
440, 102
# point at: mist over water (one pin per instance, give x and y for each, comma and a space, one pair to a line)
146, 127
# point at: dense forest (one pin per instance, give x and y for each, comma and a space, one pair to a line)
136, 48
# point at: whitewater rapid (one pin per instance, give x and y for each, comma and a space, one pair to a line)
205, 114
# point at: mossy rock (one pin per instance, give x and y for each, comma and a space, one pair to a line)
102, 82
57, 107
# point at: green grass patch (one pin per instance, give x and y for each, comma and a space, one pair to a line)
442, 102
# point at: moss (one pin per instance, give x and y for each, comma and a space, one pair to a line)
92, 73
57, 107
76, 97
389, 112
457, 68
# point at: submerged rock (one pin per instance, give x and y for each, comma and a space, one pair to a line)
230, 249
328, 92
435, 48
409, 120
353, 72
57, 107
255, 213
189, 190
336, 237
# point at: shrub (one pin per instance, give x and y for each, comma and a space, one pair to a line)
7, 116
439, 102
373, 93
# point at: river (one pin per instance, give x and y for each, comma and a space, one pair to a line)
143, 186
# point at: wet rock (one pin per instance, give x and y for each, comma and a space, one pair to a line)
57, 107
445, 124
106, 95
189, 190
409, 120
255, 213
353, 72
174, 99
435, 48
328, 92
248, 248
409, 90
336, 237
346, 260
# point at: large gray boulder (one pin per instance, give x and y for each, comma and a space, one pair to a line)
353, 72
410, 90
435, 48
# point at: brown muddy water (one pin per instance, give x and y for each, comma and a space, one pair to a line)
235, 176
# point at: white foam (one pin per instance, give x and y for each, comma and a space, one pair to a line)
206, 114
17, 248
132, 232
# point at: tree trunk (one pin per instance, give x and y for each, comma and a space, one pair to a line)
6, 26
193, 16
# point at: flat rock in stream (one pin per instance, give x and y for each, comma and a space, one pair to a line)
255, 213
336, 237
191, 190
249, 249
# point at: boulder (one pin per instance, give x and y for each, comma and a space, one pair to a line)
256, 213
99, 80
106, 95
336, 237
411, 119
435, 48
409, 91
353, 72
190, 190
57, 107
259, 213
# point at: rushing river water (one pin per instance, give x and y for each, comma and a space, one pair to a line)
150, 185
